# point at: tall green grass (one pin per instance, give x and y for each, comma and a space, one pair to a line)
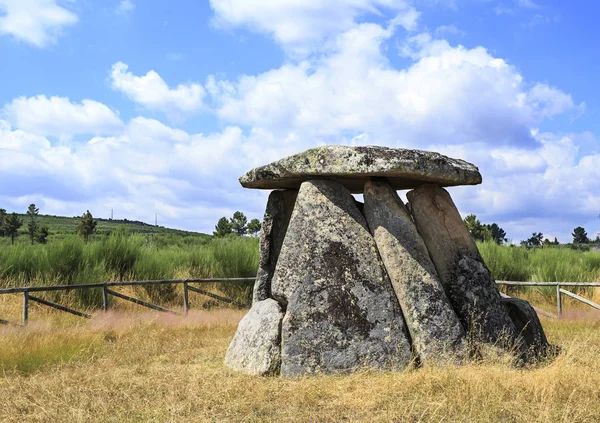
548, 264
133, 256
124, 256
540, 264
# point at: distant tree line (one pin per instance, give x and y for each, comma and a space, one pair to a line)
11, 223
493, 232
237, 225
482, 232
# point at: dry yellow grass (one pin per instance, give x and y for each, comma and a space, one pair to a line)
155, 368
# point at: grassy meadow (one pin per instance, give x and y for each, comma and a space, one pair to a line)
130, 365
150, 367
123, 256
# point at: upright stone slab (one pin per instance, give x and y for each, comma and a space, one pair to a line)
275, 222
341, 309
435, 330
528, 326
255, 348
467, 281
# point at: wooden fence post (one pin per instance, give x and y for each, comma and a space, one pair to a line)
25, 308
558, 301
186, 304
105, 298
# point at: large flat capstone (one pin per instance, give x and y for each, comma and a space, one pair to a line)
341, 312
353, 166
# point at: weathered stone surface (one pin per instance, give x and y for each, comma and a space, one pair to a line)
275, 222
528, 327
468, 283
341, 309
436, 332
352, 166
255, 348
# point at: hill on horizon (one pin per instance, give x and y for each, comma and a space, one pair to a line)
62, 225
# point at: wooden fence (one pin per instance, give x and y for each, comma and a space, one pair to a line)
188, 287
559, 293
107, 292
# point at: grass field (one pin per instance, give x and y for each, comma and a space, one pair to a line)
156, 368
123, 256
132, 366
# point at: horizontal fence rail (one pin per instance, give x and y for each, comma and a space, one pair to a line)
130, 283
106, 292
559, 293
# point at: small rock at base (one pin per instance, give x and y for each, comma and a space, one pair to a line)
529, 328
255, 348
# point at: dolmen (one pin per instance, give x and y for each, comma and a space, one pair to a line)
344, 285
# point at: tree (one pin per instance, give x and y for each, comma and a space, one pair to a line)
238, 223
254, 226
2, 217
12, 223
535, 240
86, 226
555, 241
222, 228
32, 226
42, 234
478, 231
497, 233
580, 236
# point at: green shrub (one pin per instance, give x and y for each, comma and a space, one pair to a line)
118, 252
65, 259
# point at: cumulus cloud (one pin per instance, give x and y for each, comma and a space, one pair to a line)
464, 102
124, 7
58, 116
148, 167
36, 22
448, 29
453, 94
301, 26
152, 92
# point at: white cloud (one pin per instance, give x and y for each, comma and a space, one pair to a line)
36, 22
528, 4
152, 92
462, 102
57, 116
500, 10
452, 93
448, 29
148, 167
301, 26
124, 7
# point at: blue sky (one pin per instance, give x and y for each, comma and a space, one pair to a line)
146, 106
